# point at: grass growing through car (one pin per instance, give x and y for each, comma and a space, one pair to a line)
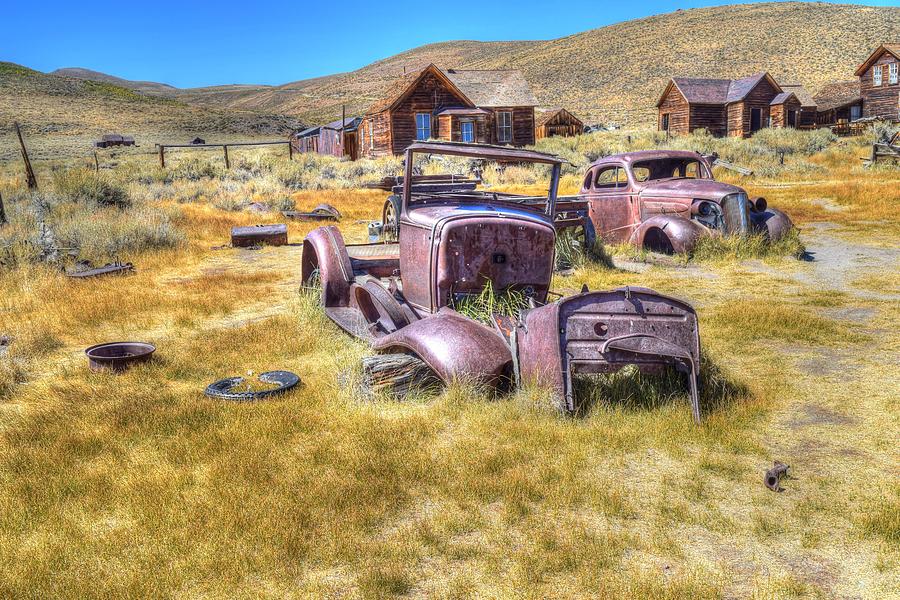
138, 485
489, 302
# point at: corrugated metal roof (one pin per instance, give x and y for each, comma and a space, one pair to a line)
349, 124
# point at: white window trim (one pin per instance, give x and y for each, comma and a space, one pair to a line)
428, 115
507, 128
876, 76
892, 73
467, 122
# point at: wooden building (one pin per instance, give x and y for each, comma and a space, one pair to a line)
732, 107
808, 106
879, 83
549, 122
488, 107
338, 138
838, 102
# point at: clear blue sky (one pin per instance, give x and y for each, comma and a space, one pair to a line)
189, 43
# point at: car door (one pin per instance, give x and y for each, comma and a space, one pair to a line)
611, 204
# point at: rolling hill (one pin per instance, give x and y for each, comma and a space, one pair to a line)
615, 73
62, 115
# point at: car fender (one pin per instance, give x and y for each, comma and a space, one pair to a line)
324, 249
682, 233
772, 222
454, 346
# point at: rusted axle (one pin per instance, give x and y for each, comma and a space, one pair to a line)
774, 475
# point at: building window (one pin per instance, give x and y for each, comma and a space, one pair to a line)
504, 126
466, 131
892, 73
665, 122
876, 75
371, 135
423, 126
855, 112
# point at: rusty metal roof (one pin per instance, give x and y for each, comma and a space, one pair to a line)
782, 98
485, 152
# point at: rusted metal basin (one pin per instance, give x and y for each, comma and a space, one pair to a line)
118, 356
259, 235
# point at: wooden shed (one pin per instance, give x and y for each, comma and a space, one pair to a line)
492, 107
733, 107
808, 106
784, 110
549, 122
338, 138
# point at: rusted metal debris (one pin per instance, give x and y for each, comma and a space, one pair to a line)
259, 235
667, 200
322, 212
118, 356
774, 475
401, 298
224, 389
116, 268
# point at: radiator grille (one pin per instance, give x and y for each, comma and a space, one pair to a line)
736, 210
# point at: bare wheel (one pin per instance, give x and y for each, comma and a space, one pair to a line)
390, 217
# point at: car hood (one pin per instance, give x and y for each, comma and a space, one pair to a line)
431, 215
705, 189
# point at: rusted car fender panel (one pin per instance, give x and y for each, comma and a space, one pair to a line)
324, 249
600, 332
772, 222
682, 233
454, 346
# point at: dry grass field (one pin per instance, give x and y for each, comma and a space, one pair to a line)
137, 485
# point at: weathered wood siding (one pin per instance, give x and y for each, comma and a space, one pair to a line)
563, 124
780, 112
881, 101
708, 116
735, 119
429, 96
375, 135
676, 106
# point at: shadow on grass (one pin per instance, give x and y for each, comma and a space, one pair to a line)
632, 390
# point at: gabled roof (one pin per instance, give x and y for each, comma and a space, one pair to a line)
838, 94
782, 98
495, 88
308, 131
717, 91
543, 115
404, 86
349, 124
891, 48
802, 94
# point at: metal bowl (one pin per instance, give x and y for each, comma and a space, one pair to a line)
118, 356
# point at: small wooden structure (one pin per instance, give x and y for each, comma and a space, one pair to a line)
784, 110
338, 138
486, 107
549, 122
114, 139
732, 107
879, 83
839, 103
808, 107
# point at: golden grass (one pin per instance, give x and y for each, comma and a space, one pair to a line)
138, 485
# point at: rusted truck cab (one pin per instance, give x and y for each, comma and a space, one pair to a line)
666, 200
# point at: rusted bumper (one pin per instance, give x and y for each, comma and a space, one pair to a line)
601, 332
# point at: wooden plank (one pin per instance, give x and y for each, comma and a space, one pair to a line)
30, 179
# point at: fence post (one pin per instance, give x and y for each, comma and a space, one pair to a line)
162, 156
30, 179
96, 162
2, 212
290, 151
227, 162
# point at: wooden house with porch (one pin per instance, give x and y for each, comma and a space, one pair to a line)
488, 107
879, 83
726, 107
838, 103
337, 138
549, 122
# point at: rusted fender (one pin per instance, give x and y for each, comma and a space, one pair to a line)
682, 233
324, 249
774, 223
454, 346
601, 332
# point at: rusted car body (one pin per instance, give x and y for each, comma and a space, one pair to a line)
401, 297
666, 200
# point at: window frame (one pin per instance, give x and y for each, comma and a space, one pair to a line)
893, 75
615, 184
501, 127
462, 136
877, 76
423, 128
666, 122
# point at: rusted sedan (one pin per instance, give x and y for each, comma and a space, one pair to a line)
455, 242
666, 200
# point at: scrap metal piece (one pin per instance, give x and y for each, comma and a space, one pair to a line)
256, 235
322, 212
118, 356
223, 389
107, 269
774, 475
601, 332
